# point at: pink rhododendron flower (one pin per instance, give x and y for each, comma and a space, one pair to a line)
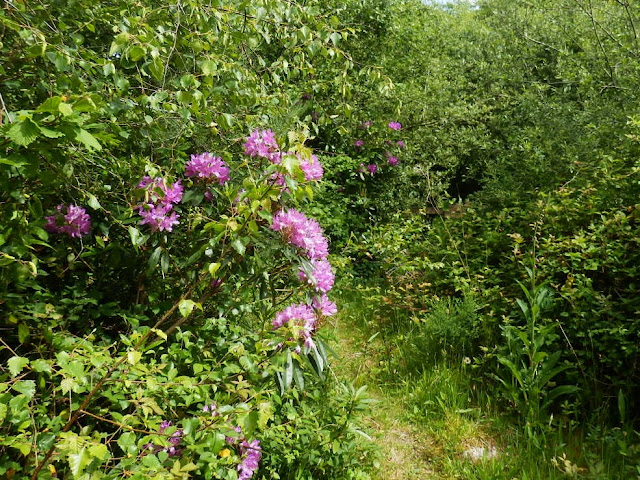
174, 441
173, 194
207, 166
263, 144
157, 190
251, 453
158, 217
302, 232
325, 306
312, 168
358, 143
401, 144
372, 168
301, 315
213, 408
392, 160
157, 209
321, 276
71, 220
395, 125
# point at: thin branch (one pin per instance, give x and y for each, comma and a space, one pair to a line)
633, 25
538, 42
4, 107
121, 425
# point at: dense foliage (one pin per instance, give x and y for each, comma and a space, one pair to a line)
161, 293
163, 281
510, 234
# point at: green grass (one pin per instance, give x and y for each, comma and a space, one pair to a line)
424, 421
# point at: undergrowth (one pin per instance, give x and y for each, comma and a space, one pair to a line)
444, 398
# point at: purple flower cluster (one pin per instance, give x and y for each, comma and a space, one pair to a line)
72, 220
263, 144
321, 275
213, 408
300, 315
302, 232
306, 234
312, 168
324, 306
157, 208
206, 166
392, 156
305, 318
174, 441
251, 454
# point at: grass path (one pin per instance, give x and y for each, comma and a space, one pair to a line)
424, 428
405, 451
428, 423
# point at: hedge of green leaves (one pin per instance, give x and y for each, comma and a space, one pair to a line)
160, 292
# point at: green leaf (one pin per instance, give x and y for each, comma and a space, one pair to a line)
622, 409
24, 132
50, 133
164, 261
99, 451
156, 69
137, 238
298, 375
190, 425
84, 104
68, 384
93, 202
213, 269
186, 307
3, 412
227, 120
136, 53
79, 461
65, 109
288, 370
208, 67
153, 260
26, 387
41, 365
134, 356
23, 333
50, 105
45, 440
18, 404
238, 246
88, 140
127, 442
250, 422
16, 364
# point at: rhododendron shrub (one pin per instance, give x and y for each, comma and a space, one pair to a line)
232, 284
142, 163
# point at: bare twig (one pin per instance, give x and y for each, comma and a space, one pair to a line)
4, 107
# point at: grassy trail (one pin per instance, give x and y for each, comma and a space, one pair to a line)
405, 451
422, 427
